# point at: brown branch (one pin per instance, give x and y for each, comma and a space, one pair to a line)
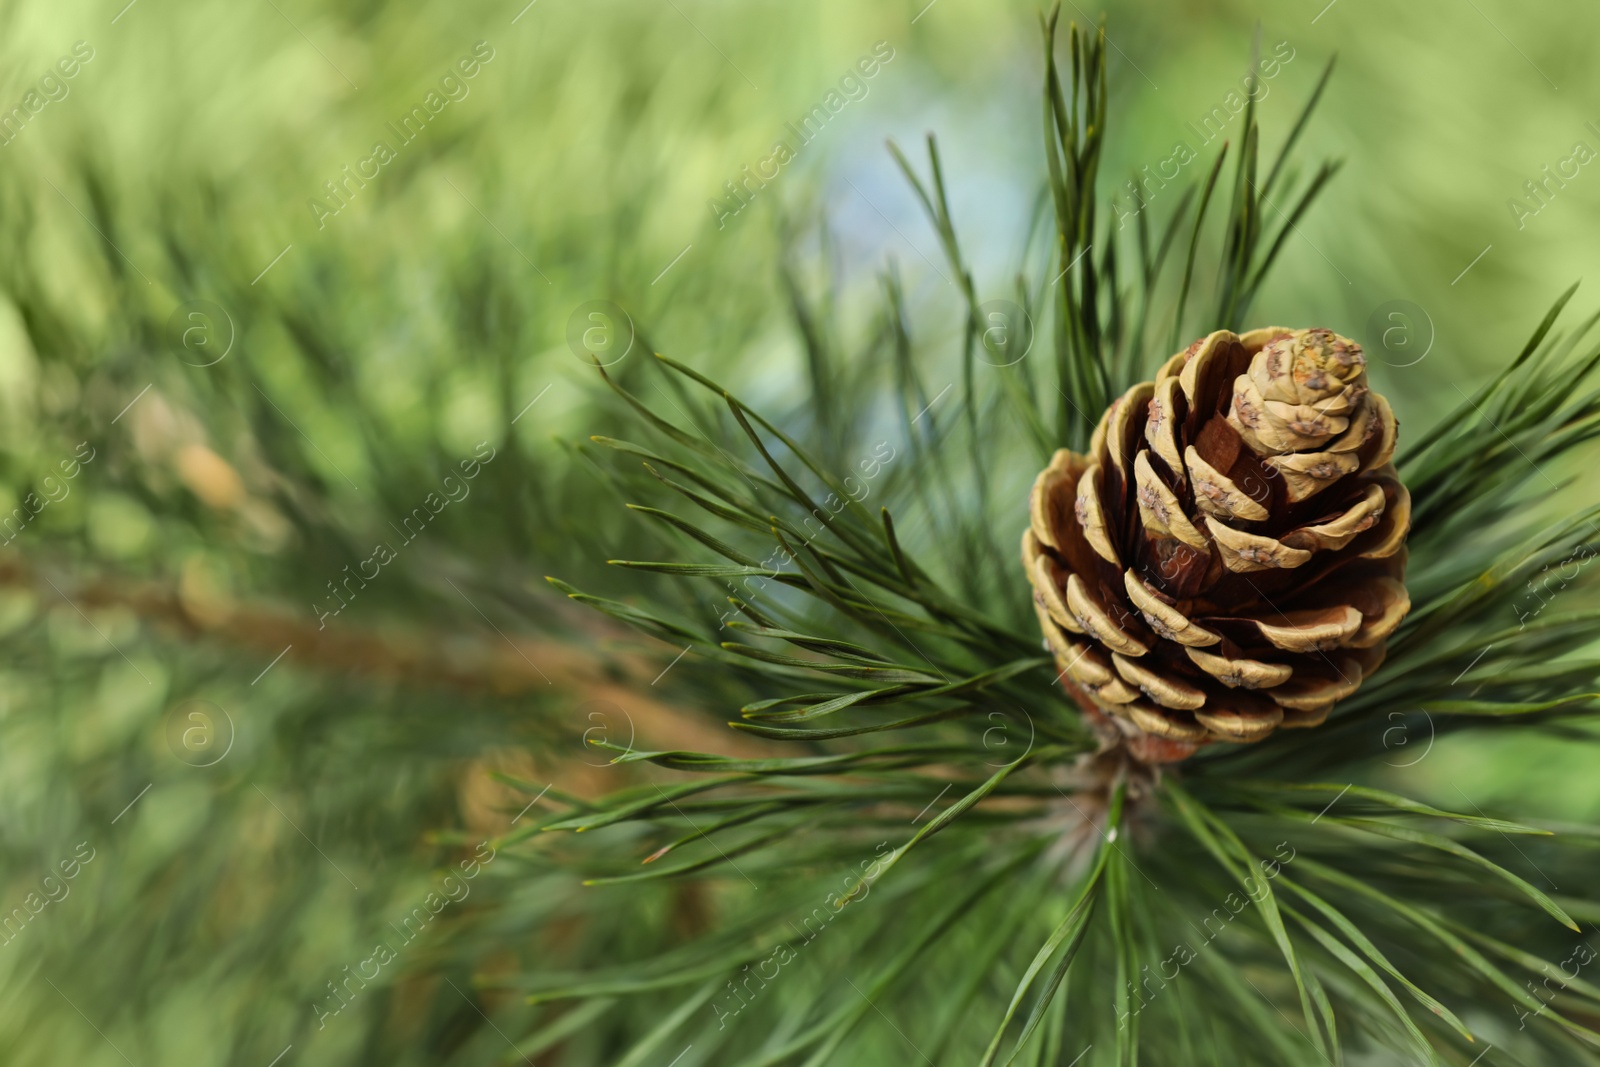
465, 660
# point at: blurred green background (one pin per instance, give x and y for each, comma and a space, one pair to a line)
364, 353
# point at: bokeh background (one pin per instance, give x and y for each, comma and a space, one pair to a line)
347, 361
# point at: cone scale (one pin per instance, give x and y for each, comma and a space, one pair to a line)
1228, 558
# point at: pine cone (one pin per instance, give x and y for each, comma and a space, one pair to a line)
1228, 557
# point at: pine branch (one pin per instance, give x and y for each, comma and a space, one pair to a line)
908, 629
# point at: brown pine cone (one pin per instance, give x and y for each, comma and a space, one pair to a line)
1228, 557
